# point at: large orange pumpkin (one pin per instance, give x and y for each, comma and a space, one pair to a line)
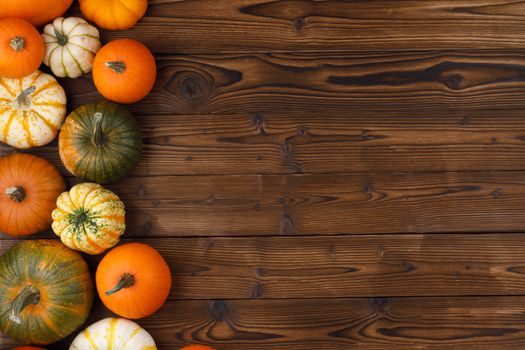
124, 71
133, 280
21, 48
114, 14
29, 188
37, 12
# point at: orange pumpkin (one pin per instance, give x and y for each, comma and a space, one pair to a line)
114, 14
197, 347
21, 48
29, 188
133, 280
37, 12
124, 71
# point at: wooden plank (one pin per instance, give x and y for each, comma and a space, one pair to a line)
316, 204
323, 204
341, 266
334, 324
314, 144
210, 26
329, 83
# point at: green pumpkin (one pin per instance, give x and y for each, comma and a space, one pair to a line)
100, 142
46, 292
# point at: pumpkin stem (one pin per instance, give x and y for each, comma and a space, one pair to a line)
98, 137
22, 100
28, 295
126, 280
18, 194
118, 66
17, 43
62, 39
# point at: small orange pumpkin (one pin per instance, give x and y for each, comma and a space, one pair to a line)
133, 280
197, 347
29, 188
124, 71
37, 12
21, 48
114, 14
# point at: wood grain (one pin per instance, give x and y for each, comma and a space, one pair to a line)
335, 267
337, 324
368, 141
169, 206
329, 83
210, 26
324, 204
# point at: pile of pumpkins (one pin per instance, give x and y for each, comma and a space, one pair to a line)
46, 290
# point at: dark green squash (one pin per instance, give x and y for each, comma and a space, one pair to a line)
46, 292
100, 142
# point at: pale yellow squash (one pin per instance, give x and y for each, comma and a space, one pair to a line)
89, 218
32, 110
115, 334
71, 45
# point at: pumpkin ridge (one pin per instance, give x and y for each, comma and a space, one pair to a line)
76, 61
82, 47
5, 130
49, 104
51, 126
45, 87
25, 126
7, 87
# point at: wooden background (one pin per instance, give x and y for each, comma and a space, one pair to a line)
331, 174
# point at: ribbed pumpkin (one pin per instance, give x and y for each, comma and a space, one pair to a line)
71, 45
100, 142
114, 334
29, 188
46, 292
133, 280
32, 110
89, 218
38, 12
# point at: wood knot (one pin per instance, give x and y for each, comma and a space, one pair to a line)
299, 23
219, 310
380, 305
191, 87
454, 81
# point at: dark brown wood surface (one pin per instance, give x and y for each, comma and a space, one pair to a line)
329, 174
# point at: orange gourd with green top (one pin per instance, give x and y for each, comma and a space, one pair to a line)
131, 272
21, 48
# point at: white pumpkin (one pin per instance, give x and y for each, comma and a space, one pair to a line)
32, 110
115, 334
71, 45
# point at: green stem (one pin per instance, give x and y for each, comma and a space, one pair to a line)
28, 295
17, 43
98, 136
126, 280
22, 100
118, 66
62, 39
17, 193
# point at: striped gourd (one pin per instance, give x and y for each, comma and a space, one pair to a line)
32, 110
89, 218
115, 334
100, 142
46, 292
